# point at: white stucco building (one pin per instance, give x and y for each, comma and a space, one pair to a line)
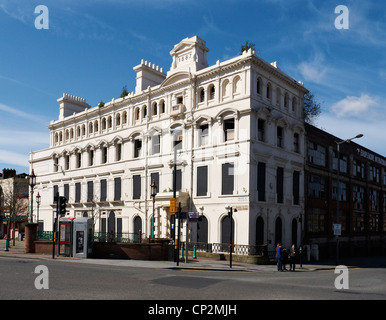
240, 139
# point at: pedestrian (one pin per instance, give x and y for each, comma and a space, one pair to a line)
292, 258
284, 258
279, 257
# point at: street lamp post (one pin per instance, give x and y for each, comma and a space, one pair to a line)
32, 183
231, 244
38, 199
153, 187
338, 143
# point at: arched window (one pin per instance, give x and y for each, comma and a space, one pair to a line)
225, 89
104, 124
137, 225
286, 100
278, 97
294, 104
268, 93
118, 119
259, 231
236, 85
137, 114
201, 95
259, 84
124, 117
144, 112
154, 109
162, 106
211, 91
226, 232
202, 230
90, 128
96, 126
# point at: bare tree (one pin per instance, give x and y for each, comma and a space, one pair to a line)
14, 201
311, 108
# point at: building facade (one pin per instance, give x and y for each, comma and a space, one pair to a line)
362, 201
238, 131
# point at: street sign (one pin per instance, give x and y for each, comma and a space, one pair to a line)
337, 229
193, 215
173, 206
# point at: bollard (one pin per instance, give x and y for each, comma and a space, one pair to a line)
6, 244
182, 252
194, 252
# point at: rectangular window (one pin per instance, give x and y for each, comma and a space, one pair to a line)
66, 162
91, 157
178, 179
229, 129
279, 184
359, 169
316, 187
202, 181
104, 154
374, 174
296, 143
56, 190
203, 135
136, 187
227, 178
358, 197
67, 191
77, 192
279, 137
155, 140
103, 190
78, 160
137, 148
316, 222
342, 162
342, 191
118, 152
261, 129
261, 181
295, 186
117, 189
90, 191
316, 154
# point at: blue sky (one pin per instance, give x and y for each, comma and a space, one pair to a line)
91, 47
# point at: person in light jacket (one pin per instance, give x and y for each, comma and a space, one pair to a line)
292, 258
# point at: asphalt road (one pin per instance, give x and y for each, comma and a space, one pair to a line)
79, 281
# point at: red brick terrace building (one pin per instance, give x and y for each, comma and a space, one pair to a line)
362, 204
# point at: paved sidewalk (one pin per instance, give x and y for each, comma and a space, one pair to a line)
17, 251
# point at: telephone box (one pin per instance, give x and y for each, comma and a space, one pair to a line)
65, 236
82, 237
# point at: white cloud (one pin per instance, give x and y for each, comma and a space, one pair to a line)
19, 113
314, 70
354, 106
13, 158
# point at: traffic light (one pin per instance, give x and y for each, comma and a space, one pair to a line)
62, 206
